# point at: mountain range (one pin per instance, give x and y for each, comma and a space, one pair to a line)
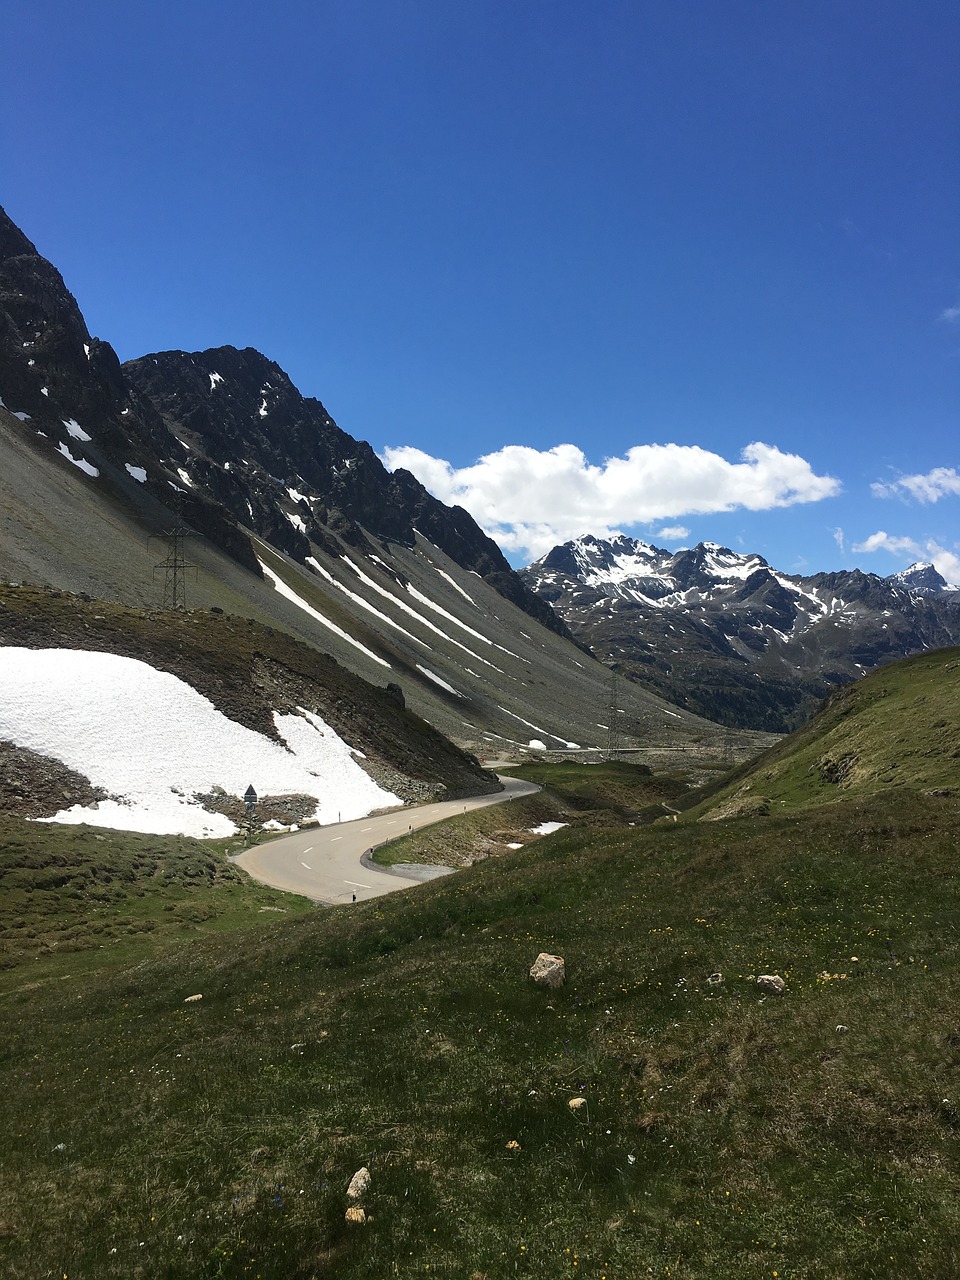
211, 469
282, 517
731, 638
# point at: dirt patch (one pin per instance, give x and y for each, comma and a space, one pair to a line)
37, 786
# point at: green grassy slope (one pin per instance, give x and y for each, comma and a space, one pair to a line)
77, 898
726, 1133
604, 794
896, 730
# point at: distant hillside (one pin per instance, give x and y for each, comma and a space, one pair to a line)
894, 731
730, 637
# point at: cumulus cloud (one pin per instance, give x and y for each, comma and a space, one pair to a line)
941, 482
950, 314
883, 541
531, 499
673, 533
947, 563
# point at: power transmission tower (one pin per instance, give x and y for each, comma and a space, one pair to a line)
174, 568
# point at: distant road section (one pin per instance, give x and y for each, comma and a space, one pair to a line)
323, 863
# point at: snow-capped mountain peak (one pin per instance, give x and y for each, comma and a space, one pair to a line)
922, 577
726, 634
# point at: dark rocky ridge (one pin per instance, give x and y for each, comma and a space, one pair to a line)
252, 437
53, 371
163, 412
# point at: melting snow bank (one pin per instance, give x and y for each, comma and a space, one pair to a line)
154, 743
547, 828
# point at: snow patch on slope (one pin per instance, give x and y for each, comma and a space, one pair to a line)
154, 743
82, 463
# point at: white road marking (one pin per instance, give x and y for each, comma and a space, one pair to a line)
363, 829
333, 838
310, 850
358, 884
303, 864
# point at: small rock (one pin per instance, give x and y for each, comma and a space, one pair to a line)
715, 979
576, 1103
513, 1145
192, 999
355, 1216
772, 982
359, 1184
842, 1030
548, 970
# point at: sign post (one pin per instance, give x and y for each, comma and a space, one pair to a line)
250, 800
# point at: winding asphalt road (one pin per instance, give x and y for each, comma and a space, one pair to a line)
324, 863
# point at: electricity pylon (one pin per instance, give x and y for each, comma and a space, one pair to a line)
175, 567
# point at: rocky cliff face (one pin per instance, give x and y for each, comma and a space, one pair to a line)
281, 465
69, 392
222, 436
730, 637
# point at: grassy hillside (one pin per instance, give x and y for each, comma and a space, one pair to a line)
77, 899
725, 1132
609, 793
894, 731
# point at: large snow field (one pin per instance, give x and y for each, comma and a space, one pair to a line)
153, 741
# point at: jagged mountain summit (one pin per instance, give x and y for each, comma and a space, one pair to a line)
922, 578
281, 466
729, 636
288, 520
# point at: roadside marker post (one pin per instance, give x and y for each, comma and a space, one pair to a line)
250, 800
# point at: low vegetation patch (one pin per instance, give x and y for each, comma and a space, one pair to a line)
725, 1130
103, 897
610, 793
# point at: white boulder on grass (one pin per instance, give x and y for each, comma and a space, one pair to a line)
548, 970
772, 982
359, 1184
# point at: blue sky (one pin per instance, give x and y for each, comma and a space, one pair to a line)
686, 269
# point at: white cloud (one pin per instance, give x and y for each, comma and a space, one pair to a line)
946, 562
950, 314
883, 541
530, 499
941, 482
673, 533
839, 539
